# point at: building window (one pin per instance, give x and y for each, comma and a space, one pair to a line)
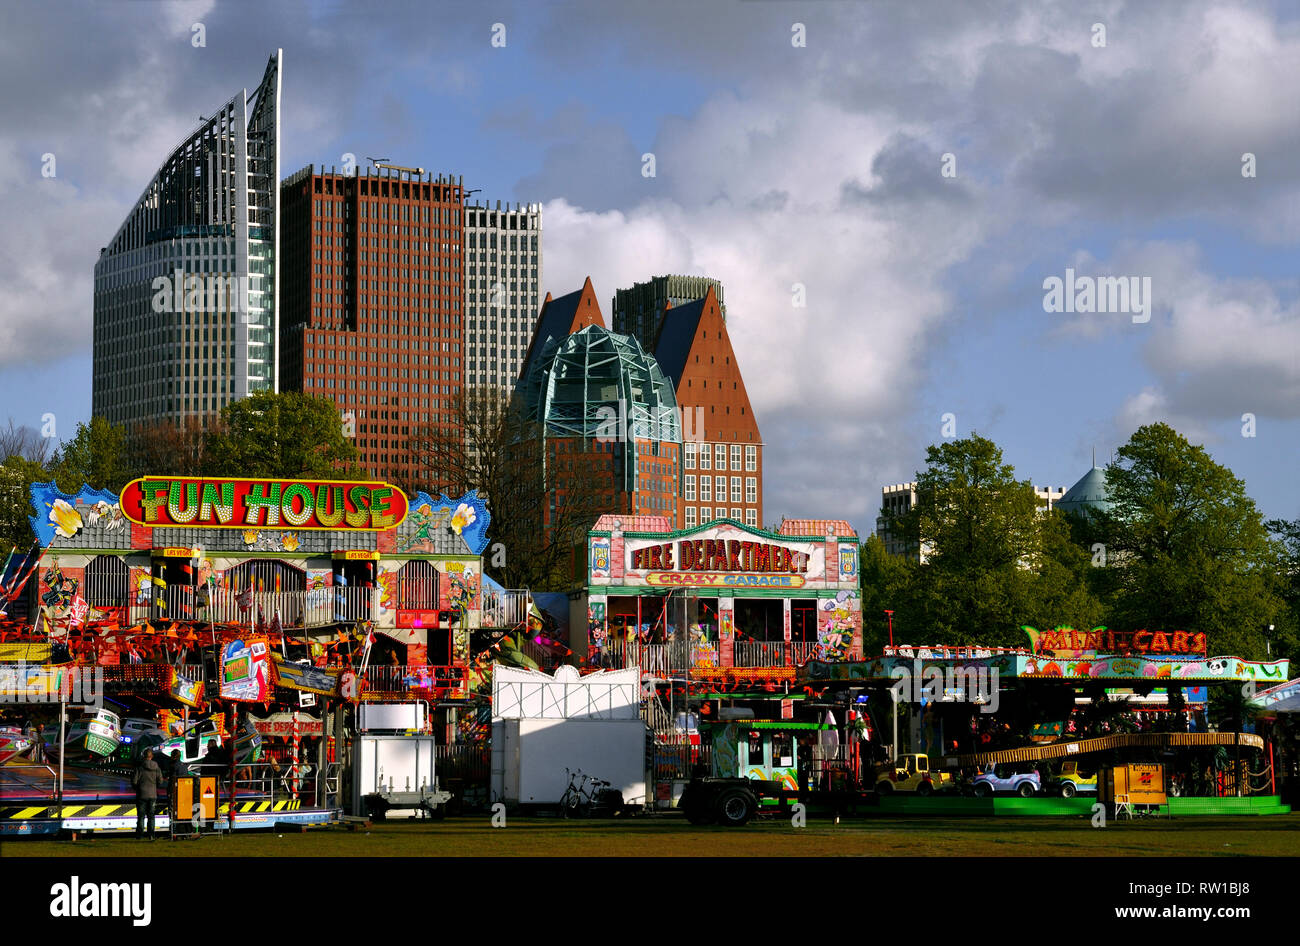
751, 458
735, 457
690, 517
705, 456
751, 517
706, 514
735, 513
706, 489
735, 489
751, 489
720, 489
689, 447
690, 488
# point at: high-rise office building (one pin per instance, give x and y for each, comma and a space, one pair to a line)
722, 447
186, 293
606, 410
639, 311
373, 303
503, 276
898, 500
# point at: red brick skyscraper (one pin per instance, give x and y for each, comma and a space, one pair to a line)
722, 449
372, 297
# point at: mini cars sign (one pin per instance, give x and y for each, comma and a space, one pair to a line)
220, 503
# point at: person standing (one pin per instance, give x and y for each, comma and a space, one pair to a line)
148, 776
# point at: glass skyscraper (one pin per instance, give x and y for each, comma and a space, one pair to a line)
186, 293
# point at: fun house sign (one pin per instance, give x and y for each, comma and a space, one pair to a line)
218, 503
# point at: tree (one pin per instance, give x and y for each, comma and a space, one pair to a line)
23, 442
176, 447
980, 531
287, 434
96, 455
886, 580
995, 560
1186, 547
489, 444
1284, 640
17, 474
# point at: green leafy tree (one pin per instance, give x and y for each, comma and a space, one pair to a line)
16, 476
1186, 547
286, 434
886, 586
993, 559
96, 455
493, 447
24, 459
1284, 639
980, 534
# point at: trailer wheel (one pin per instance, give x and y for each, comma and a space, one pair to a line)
735, 807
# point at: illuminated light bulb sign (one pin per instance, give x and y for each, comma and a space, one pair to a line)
228, 503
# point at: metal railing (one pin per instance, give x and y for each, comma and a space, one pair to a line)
544, 657
427, 680
680, 657
295, 608
508, 608
773, 653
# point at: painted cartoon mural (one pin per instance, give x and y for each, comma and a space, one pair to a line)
599, 558
468, 517
261, 540
246, 670
1102, 668
65, 515
835, 627
460, 591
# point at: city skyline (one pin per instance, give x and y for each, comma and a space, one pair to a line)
814, 179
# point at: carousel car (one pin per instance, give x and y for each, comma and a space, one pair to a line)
14, 744
96, 735
1070, 781
1025, 782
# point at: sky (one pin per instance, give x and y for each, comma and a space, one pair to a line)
913, 173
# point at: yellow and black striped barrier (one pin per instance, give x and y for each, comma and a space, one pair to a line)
257, 807
128, 810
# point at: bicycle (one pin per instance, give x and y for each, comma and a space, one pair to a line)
586, 796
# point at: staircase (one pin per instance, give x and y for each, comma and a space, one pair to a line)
656, 716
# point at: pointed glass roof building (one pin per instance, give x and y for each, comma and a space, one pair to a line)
186, 291
1089, 494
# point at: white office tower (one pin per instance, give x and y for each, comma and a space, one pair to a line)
186, 293
503, 273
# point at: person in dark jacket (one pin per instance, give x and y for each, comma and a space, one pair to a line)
148, 776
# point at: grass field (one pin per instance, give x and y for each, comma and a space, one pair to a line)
656, 836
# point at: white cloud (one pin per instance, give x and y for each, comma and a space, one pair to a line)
870, 268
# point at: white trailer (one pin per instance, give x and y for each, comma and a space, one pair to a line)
530, 758
396, 772
405, 718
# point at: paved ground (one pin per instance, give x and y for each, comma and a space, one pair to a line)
652, 836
